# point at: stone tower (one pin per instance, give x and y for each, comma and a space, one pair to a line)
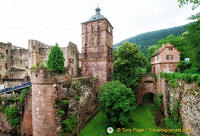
43, 99
97, 47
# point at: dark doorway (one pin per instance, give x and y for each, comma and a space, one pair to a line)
148, 98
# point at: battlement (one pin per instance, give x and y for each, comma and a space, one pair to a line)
42, 76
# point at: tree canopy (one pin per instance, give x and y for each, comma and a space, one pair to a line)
117, 102
56, 60
128, 65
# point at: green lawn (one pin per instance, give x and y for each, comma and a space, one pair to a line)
142, 120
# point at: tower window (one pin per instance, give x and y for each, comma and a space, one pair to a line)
6, 51
169, 57
6, 66
109, 29
33, 47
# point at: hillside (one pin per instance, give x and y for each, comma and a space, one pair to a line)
145, 40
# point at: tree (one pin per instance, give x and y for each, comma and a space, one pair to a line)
56, 59
117, 102
195, 4
193, 39
128, 65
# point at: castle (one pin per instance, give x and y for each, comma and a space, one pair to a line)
96, 58
15, 62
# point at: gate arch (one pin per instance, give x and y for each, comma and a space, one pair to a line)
148, 85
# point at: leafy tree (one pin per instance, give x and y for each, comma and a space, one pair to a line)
117, 102
128, 65
56, 59
193, 39
195, 4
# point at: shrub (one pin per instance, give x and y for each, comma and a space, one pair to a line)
198, 82
69, 125
77, 97
61, 113
173, 83
12, 114
188, 78
42, 65
64, 102
33, 67
21, 97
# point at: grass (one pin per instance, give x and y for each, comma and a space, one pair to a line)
143, 119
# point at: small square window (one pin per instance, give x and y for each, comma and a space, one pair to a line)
169, 57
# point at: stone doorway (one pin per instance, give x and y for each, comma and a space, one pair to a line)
148, 98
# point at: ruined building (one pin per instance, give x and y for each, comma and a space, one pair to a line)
39, 52
13, 64
97, 47
16, 61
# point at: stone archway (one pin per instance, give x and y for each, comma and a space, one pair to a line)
148, 97
148, 85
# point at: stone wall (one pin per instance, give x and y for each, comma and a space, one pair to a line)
43, 99
188, 95
26, 124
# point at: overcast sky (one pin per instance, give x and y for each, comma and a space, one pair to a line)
51, 21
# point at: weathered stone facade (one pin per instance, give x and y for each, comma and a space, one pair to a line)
97, 48
188, 97
13, 64
43, 99
39, 52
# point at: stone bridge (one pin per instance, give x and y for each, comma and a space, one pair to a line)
148, 85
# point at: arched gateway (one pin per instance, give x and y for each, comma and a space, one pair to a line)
148, 85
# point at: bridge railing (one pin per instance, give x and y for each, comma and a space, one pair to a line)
18, 87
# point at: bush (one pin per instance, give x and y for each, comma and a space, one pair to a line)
42, 65
61, 113
33, 67
77, 97
21, 97
117, 102
12, 114
69, 125
182, 66
64, 102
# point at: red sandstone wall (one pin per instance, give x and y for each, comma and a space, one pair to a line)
26, 128
43, 100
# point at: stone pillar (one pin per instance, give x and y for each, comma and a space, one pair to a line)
43, 99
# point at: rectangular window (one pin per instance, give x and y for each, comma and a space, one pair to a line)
170, 48
7, 52
33, 47
157, 57
169, 57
